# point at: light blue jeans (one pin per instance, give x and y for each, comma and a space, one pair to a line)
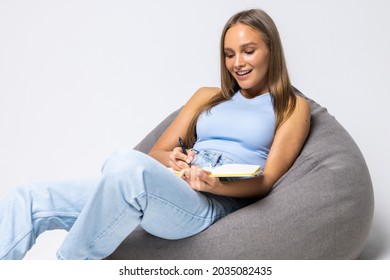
99, 214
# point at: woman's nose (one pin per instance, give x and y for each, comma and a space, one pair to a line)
239, 61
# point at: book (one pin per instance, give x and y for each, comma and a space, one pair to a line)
233, 170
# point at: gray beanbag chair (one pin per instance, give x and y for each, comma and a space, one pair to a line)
322, 208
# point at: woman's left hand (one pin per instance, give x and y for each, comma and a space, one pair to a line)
199, 179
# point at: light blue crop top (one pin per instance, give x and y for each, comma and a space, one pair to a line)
240, 128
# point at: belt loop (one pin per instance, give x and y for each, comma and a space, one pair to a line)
216, 158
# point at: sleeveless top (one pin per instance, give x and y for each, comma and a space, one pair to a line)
241, 129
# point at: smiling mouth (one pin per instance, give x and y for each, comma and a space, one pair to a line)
243, 73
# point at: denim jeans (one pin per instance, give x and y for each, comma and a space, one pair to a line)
99, 214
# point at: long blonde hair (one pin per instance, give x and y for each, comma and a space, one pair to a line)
283, 96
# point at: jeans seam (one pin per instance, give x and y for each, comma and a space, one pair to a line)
43, 214
213, 218
29, 228
16, 241
109, 227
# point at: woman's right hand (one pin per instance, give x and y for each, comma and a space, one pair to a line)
178, 160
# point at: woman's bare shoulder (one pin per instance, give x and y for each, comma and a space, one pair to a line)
302, 105
207, 92
203, 95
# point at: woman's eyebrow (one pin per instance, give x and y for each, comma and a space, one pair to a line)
250, 44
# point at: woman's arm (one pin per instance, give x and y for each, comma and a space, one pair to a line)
288, 141
167, 150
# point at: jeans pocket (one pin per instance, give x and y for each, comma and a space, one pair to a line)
208, 158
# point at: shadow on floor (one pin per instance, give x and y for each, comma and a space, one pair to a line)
377, 246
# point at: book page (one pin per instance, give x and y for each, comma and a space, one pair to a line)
231, 170
235, 170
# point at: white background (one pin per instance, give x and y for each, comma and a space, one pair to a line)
80, 79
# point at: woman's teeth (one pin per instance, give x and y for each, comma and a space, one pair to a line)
242, 73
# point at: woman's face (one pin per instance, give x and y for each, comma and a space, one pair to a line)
247, 59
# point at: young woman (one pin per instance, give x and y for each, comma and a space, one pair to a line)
255, 118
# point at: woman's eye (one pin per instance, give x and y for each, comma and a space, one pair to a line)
229, 55
249, 52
